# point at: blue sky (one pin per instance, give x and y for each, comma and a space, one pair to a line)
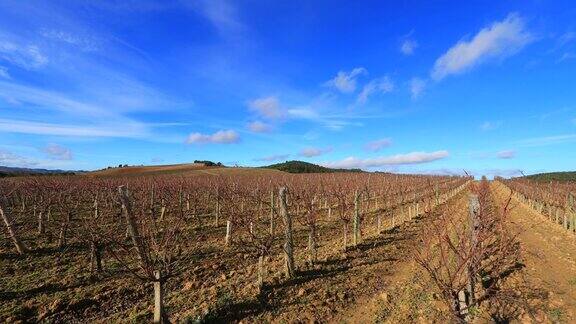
403, 86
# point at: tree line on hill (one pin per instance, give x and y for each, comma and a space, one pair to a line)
305, 167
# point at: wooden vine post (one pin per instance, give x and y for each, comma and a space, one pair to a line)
356, 223
572, 211
474, 223
131, 225
288, 243
159, 315
271, 212
6, 217
157, 278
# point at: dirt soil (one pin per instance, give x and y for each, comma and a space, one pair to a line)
549, 258
374, 282
54, 286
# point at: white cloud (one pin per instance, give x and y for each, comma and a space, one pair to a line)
259, 127
346, 81
408, 46
380, 85
276, 157
220, 137
417, 87
377, 145
507, 154
267, 107
399, 159
58, 152
25, 56
499, 40
312, 151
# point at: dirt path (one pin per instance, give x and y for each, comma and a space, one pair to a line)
352, 287
549, 255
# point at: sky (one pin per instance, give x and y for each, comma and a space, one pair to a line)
404, 86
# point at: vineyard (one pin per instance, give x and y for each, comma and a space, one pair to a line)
265, 247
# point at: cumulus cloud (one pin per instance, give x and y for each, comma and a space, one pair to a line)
507, 154
380, 85
377, 145
345, 82
499, 40
267, 107
408, 46
259, 127
57, 152
220, 137
417, 87
399, 159
276, 157
312, 151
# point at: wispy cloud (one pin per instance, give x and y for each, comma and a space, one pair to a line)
312, 151
270, 158
399, 159
380, 85
490, 125
259, 127
377, 145
58, 152
4, 73
223, 15
417, 87
126, 130
220, 137
548, 140
83, 42
26, 56
499, 40
345, 82
408, 46
506, 154
13, 160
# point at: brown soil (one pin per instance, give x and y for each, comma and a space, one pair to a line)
549, 256
219, 286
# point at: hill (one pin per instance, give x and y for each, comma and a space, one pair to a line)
305, 167
18, 172
554, 176
151, 169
